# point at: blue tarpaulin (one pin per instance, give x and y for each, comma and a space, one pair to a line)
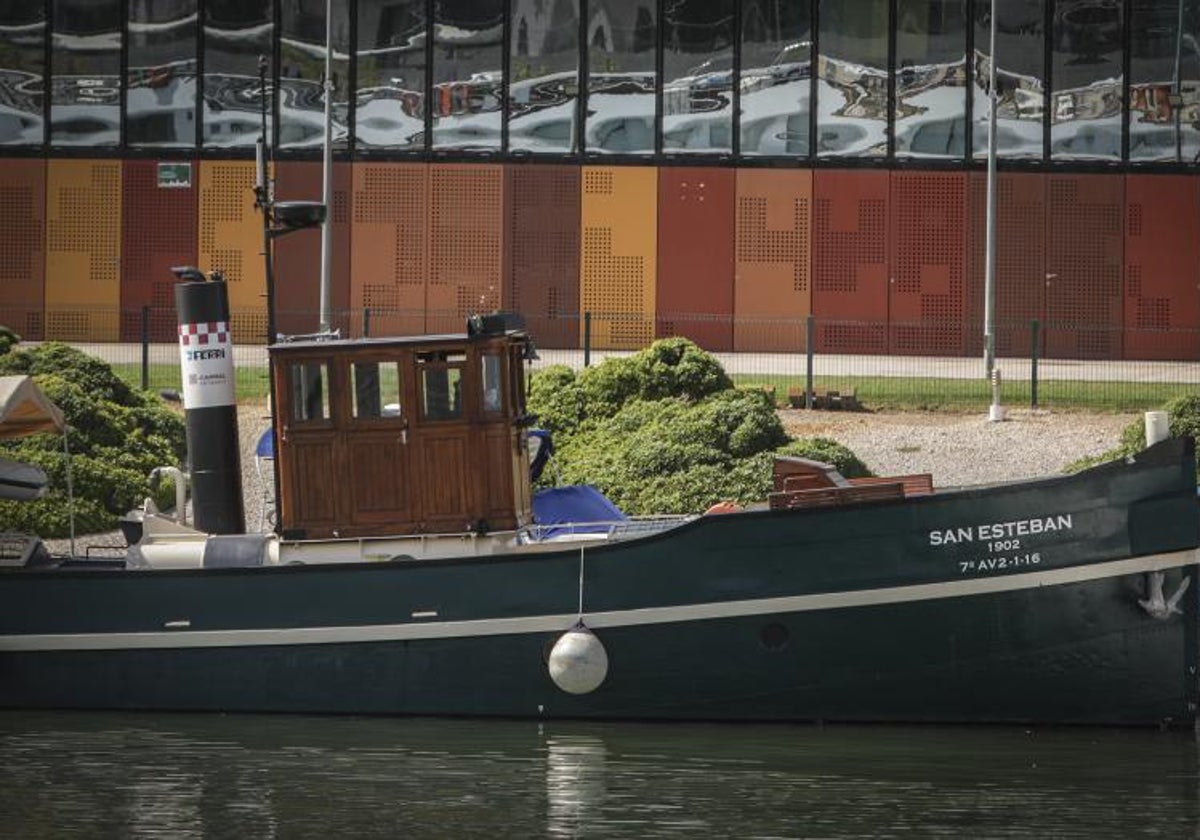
577, 504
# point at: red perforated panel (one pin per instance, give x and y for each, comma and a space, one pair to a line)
1086, 258
542, 270
850, 261
466, 243
1020, 261
298, 255
389, 264
1162, 267
694, 296
23, 255
772, 289
159, 232
929, 263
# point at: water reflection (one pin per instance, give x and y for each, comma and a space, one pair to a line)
184, 776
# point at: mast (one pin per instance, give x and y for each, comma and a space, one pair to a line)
327, 176
995, 412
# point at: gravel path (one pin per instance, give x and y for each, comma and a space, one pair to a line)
963, 449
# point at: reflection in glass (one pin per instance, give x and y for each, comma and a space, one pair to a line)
1020, 77
302, 71
931, 78
544, 89
160, 104
22, 72
852, 78
1164, 81
698, 76
1085, 104
776, 68
85, 70
468, 74
390, 109
236, 33
622, 36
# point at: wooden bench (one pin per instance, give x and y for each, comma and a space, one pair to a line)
836, 496
918, 484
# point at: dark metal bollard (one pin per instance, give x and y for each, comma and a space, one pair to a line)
145, 348
810, 340
1036, 331
587, 339
366, 322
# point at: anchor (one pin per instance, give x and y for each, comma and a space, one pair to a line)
1158, 606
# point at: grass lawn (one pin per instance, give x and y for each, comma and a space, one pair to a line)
252, 383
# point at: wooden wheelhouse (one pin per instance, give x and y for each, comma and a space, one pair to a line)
388, 436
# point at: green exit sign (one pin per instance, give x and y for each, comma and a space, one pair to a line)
174, 175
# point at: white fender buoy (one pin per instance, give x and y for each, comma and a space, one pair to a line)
1158, 427
578, 662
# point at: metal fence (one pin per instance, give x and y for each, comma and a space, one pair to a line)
804, 362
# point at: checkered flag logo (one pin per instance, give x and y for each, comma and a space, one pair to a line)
199, 335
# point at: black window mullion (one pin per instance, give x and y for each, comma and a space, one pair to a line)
277, 56
660, 41
735, 119
969, 69
198, 107
890, 128
1126, 64
430, 29
1048, 88
47, 72
814, 55
505, 69
581, 81
123, 79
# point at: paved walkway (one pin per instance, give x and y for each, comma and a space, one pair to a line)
767, 364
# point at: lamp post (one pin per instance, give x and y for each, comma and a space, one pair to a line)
326, 319
995, 412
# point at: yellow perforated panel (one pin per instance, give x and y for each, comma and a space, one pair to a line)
83, 249
231, 241
620, 249
466, 243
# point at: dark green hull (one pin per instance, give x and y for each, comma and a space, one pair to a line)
864, 613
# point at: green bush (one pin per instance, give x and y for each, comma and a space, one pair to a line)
828, 452
665, 431
1183, 415
117, 435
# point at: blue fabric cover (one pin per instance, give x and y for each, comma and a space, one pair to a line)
266, 445
580, 503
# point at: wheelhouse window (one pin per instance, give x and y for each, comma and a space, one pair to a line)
493, 383
441, 378
309, 388
375, 390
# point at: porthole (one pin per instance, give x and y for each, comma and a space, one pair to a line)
774, 636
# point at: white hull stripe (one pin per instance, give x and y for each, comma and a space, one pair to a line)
595, 620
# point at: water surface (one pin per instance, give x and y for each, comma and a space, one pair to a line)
67, 775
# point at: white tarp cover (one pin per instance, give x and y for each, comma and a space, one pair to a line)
25, 410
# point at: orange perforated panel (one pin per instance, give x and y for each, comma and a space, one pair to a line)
850, 261
298, 255
772, 292
83, 249
23, 255
466, 244
231, 241
620, 240
542, 270
1162, 267
928, 284
1020, 261
389, 228
159, 232
1084, 266
694, 296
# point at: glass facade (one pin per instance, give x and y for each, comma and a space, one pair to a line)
85, 72
390, 75
866, 79
236, 33
468, 74
1085, 101
930, 112
22, 72
697, 95
622, 38
776, 73
1164, 81
852, 78
543, 91
1020, 78
160, 103
302, 73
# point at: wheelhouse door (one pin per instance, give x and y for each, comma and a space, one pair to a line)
308, 460
376, 449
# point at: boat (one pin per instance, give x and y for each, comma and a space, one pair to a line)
415, 571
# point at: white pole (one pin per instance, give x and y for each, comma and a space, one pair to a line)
326, 319
989, 270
